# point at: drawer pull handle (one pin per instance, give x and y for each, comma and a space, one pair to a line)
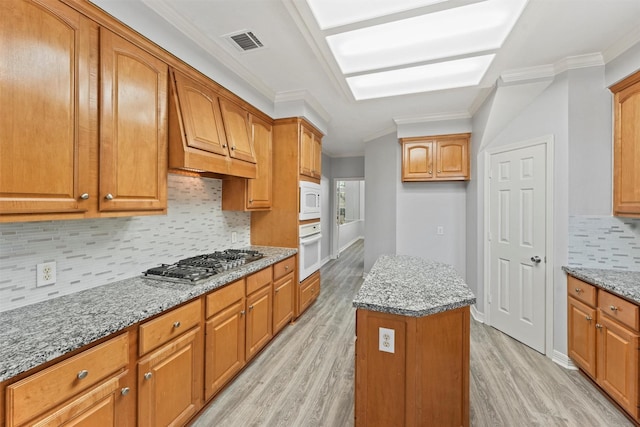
83, 374
589, 318
578, 290
125, 391
176, 324
148, 376
598, 326
613, 308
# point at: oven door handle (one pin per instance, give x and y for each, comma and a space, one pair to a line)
310, 239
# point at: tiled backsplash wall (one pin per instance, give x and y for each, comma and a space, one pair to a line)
95, 252
604, 242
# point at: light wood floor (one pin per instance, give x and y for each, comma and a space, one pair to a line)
305, 376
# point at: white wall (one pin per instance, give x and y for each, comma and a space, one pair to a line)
381, 171
350, 233
327, 215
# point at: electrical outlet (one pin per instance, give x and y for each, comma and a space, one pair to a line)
387, 340
234, 237
46, 274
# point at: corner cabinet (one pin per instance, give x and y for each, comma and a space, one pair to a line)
603, 340
626, 147
436, 158
86, 132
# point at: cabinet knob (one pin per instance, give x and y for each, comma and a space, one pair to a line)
250, 200
598, 326
83, 374
233, 147
125, 391
84, 196
589, 318
286, 267
109, 196
277, 290
176, 324
148, 376
224, 145
242, 313
578, 290
250, 307
613, 308
430, 172
439, 171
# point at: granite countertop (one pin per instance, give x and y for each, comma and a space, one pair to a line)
620, 282
41, 332
411, 286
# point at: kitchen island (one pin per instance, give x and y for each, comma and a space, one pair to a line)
412, 344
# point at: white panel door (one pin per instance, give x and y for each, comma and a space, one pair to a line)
517, 244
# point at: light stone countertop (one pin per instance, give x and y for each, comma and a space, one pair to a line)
620, 282
41, 332
411, 286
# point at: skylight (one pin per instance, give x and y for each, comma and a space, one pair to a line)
334, 13
423, 78
409, 55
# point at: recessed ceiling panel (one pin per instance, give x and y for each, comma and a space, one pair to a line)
334, 13
453, 32
423, 78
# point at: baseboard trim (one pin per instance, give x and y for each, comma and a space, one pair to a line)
477, 316
563, 360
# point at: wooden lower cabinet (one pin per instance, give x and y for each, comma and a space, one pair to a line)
603, 341
283, 301
259, 320
170, 382
422, 379
309, 291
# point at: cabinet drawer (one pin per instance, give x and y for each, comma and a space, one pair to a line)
224, 297
284, 267
168, 326
617, 308
38, 393
581, 291
258, 280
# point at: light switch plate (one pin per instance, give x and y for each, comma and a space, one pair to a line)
387, 340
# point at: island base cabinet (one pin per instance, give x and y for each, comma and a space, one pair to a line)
412, 371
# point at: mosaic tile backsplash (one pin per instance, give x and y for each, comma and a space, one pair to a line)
604, 242
95, 252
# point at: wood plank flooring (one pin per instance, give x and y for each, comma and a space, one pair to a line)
305, 376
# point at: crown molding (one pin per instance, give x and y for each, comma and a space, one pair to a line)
438, 117
306, 98
380, 133
549, 71
622, 45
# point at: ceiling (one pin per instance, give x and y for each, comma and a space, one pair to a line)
296, 63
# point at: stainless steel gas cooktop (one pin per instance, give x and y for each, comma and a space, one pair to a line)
198, 268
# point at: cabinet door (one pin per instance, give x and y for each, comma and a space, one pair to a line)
316, 170
170, 382
309, 291
618, 363
94, 408
236, 124
582, 335
283, 301
626, 153
259, 320
259, 189
45, 92
224, 347
201, 116
133, 127
452, 159
306, 152
417, 160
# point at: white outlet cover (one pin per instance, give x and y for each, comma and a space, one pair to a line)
386, 340
45, 274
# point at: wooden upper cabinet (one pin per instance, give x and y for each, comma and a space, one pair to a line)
626, 152
236, 124
310, 153
437, 158
45, 93
133, 123
201, 116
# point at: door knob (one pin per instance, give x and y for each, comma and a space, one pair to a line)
535, 259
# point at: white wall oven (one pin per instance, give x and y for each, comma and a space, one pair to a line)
309, 253
309, 200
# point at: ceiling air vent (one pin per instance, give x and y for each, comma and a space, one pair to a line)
244, 41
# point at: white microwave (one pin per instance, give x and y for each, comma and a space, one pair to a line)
309, 200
